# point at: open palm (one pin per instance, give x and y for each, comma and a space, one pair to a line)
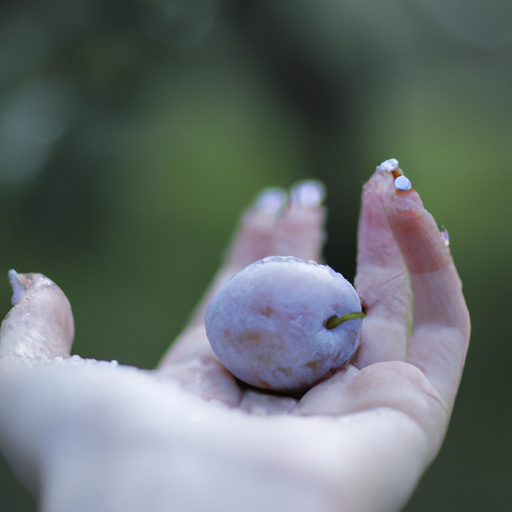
88, 435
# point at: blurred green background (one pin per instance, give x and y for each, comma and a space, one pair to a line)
132, 133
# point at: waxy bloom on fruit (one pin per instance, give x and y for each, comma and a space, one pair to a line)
284, 324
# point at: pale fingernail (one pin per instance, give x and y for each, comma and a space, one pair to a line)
388, 165
271, 200
19, 285
308, 193
402, 183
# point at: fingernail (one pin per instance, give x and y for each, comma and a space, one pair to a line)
19, 285
402, 183
271, 200
308, 193
388, 165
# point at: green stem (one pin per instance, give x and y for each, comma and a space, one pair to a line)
334, 321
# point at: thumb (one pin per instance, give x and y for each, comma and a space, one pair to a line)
41, 322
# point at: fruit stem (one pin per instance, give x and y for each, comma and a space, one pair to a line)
334, 321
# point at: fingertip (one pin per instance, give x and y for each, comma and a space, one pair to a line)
376, 243
271, 200
307, 193
389, 169
423, 246
377, 181
40, 324
252, 239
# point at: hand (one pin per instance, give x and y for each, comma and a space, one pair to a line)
87, 435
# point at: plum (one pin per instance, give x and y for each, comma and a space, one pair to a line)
284, 324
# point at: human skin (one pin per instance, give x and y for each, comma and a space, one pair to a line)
86, 435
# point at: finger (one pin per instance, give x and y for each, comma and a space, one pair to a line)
441, 329
273, 227
253, 240
191, 360
381, 280
300, 230
41, 322
394, 385
267, 228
